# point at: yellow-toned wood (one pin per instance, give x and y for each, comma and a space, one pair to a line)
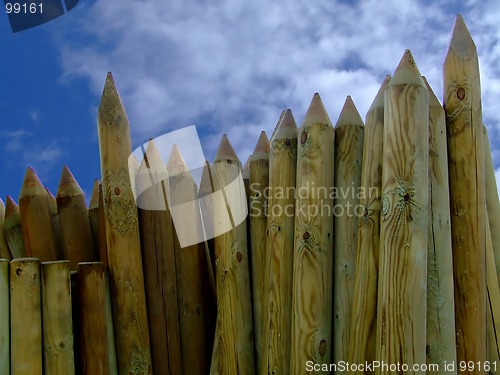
312, 298
364, 299
4, 247
281, 211
440, 302
349, 132
4, 317
122, 235
97, 223
56, 225
404, 227
57, 321
462, 103
26, 317
75, 315
12, 229
493, 305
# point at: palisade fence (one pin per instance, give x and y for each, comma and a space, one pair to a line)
369, 247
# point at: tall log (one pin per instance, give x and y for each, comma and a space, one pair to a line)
12, 229
4, 317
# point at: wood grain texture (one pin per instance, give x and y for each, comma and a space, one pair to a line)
404, 228
4, 317
364, 300
440, 301
57, 321
75, 316
26, 317
4, 247
12, 229
462, 104
349, 131
122, 236
493, 305
56, 224
97, 222
312, 298
280, 237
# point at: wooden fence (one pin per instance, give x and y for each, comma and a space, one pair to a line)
366, 243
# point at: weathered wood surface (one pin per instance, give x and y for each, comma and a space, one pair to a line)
440, 302
57, 321
56, 225
493, 305
349, 132
122, 236
75, 316
364, 300
312, 297
404, 228
4, 247
462, 103
4, 317
97, 222
234, 346
12, 229
25, 317
281, 210
97, 343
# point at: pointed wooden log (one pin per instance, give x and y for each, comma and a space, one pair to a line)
233, 348
282, 115
122, 234
462, 104
404, 228
96, 329
312, 297
77, 242
349, 132
4, 317
97, 222
440, 302
364, 299
12, 229
4, 247
158, 257
259, 256
493, 306
36, 219
281, 211
56, 225
57, 321
26, 317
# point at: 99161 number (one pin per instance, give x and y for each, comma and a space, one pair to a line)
25, 8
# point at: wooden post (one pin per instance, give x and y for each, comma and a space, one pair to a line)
440, 303
56, 225
462, 104
4, 247
158, 256
4, 318
364, 299
78, 245
191, 265
97, 221
348, 158
122, 234
493, 306
26, 317
404, 229
281, 211
36, 222
96, 322
12, 229
233, 348
259, 256
312, 297
282, 115
75, 316
57, 322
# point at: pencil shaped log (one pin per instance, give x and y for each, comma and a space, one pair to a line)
25, 317
462, 104
36, 219
97, 223
4, 247
364, 299
281, 210
96, 322
57, 322
440, 302
348, 158
282, 115
122, 236
191, 265
493, 305
312, 298
56, 225
404, 228
77, 242
4, 317
12, 229
233, 348
158, 257
259, 256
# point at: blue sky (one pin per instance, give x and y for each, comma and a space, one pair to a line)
226, 66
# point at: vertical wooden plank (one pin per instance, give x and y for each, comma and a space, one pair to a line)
402, 297
312, 298
12, 229
57, 322
122, 235
26, 317
281, 221
4, 318
462, 104
348, 158
4, 247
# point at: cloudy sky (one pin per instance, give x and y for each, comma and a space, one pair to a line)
227, 66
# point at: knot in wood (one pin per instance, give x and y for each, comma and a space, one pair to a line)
288, 142
303, 137
306, 235
460, 93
